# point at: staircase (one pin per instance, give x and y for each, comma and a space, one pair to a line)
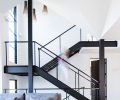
42, 71
22, 70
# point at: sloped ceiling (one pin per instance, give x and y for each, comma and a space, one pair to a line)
5, 5
112, 26
94, 12
114, 32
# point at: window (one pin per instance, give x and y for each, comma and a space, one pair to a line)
12, 15
12, 86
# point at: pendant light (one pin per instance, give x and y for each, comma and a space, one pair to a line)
34, 14
25, 11
45, 9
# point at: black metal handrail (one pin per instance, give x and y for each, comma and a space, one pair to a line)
51, 53
7, 42
70, 68
58, 36
52, 88
16, 41
77, 89
66, 62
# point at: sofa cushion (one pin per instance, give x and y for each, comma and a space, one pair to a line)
20, 98
30, 96
41, 96
10, 96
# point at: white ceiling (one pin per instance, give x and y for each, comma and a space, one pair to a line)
92, 12
114, 32
5, 5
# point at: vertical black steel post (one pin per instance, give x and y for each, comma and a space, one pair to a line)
101, 70
30, 48
78, 82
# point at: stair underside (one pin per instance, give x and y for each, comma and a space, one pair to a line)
20, 70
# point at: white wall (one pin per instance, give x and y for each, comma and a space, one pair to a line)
4, 37
0, 59
3, 33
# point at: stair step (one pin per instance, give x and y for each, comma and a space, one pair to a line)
50, 65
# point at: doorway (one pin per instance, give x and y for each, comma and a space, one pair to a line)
95, 75
13, 86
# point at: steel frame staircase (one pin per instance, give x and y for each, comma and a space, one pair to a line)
22, 70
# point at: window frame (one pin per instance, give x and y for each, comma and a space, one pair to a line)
13, 32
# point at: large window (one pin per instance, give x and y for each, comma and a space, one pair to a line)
12, 15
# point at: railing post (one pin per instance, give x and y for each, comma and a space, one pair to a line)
78, 82
5, 90
97, 94
26, 90
83, 90
16, 91
34, 54
57, 72
66, 94
75, 80
35, 90
6, 51
39, 56
68, 97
